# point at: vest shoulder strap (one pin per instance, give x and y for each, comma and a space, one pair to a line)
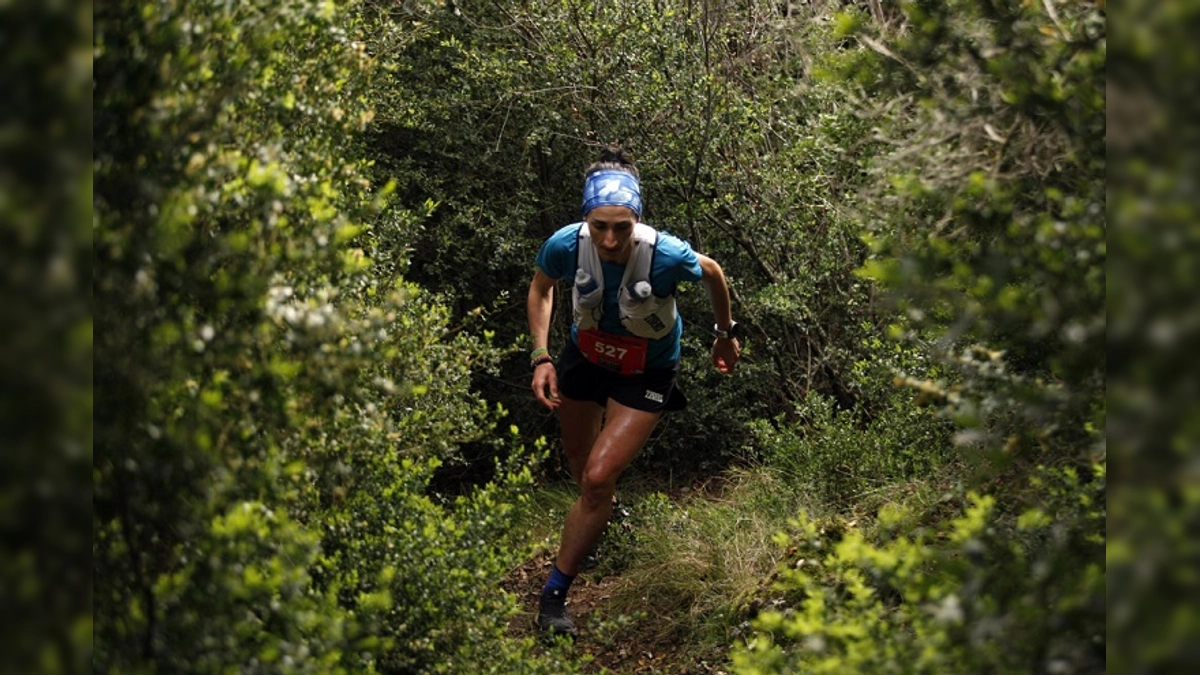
586, 257
641, 262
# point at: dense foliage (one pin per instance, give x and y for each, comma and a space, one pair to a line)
493, 112
1155, 505
987, 221
45, 335
314, 226
980, 597
271, 407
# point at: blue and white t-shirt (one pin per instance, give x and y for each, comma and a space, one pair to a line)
674, 261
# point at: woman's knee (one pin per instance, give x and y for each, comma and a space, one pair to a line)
598, 484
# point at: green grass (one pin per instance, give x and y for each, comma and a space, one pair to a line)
542, 516
689, 567
700, 561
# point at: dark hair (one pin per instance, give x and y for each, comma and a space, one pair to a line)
613, 157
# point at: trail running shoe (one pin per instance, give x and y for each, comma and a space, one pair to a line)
552, 615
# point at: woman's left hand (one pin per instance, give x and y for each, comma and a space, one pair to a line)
725, 353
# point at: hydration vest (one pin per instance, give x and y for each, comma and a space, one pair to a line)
642, 313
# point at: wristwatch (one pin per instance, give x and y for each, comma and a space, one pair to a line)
734, 331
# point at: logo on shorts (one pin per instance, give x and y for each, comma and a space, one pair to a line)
654, 396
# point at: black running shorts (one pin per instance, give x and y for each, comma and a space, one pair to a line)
653, 391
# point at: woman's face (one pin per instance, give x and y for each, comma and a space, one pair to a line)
611, 228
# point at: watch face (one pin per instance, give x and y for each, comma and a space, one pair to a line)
735, 331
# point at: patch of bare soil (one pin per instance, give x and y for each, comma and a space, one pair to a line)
611, 650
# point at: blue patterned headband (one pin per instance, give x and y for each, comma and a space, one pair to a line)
610, 187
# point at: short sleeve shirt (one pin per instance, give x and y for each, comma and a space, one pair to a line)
674, 262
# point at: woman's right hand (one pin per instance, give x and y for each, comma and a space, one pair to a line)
545, 385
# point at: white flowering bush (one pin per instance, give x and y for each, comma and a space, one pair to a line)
271, 402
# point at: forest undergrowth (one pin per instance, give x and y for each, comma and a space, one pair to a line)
315, 449
687, 564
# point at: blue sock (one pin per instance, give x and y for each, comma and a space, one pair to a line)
558, 582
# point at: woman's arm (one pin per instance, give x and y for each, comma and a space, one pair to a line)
539, 306
725, 351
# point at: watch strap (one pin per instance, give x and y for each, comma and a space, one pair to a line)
731, 332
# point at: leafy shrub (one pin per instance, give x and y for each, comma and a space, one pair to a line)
249, 592
993, 244
493, 112
990, 592
987, 223
271, 405
46, 336
438, 565
834, 457
1151, 390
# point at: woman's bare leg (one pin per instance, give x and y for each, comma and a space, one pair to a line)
580, 425
620, 440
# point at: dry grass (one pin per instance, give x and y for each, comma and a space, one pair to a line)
699, 561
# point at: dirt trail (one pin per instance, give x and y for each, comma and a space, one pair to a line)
589, 604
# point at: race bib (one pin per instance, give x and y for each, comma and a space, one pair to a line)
624, 354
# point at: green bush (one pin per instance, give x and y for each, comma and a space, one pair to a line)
1152, 320
839, 461
248, 595
986, 225
438, 567
271, 402
987, 222
46, 336
989, 592
493, 112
